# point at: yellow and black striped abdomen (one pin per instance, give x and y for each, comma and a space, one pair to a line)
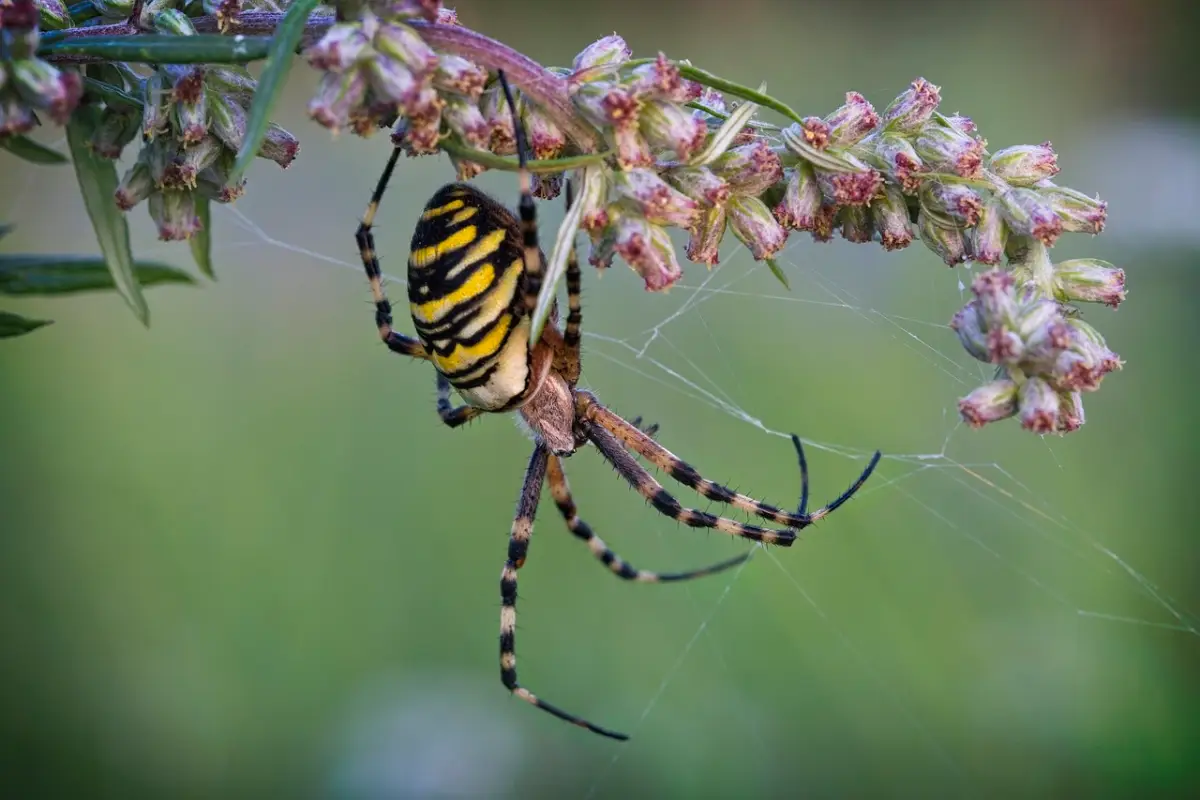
464, 278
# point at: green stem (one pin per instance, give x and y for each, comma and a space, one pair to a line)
111, 95
493, 161
706, 78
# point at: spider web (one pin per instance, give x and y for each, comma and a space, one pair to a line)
656, 355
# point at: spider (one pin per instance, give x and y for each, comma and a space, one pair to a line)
474, 274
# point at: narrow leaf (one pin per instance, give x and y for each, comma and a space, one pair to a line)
705, 78
28, 149
563, 243
16, 325
201, 241
97, 181
280, 55
725, 135
111, 95
509, 164
203, 48
38, 274
777, 271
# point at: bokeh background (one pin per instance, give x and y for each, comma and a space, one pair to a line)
242, 558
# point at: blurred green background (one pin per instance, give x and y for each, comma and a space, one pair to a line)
242, 558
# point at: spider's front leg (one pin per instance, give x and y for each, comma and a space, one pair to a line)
518, 549
396, 342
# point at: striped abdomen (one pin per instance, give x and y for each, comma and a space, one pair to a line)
464, 279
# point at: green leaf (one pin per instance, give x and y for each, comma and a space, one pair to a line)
270, 84
38, 274
111, 95
6, 229
705, 78
97, 181
777, 271
28, 149
724, 136
203, 48
554, 271
201, 241
16, 325
493, 161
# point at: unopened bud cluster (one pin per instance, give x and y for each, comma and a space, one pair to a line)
30, 87
192, 124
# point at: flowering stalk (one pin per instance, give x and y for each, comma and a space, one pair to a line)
654, 143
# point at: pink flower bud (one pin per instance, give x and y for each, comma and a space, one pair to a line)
822, 229
1090, 280
948, 243
155, 107
968, 324
913, 107
228, 120
1037, 404
991, 402
494, 107
648, 249
407, 47
987, 239
279, 146
1078, 212
661, 81
1070, 412
852, 122
43, 86
997, 297
175, 214
951, 204
801, 201
698, 183
899, 161
465, 119
753, 224
460, 76
605, 52
669, 127
950, 150
340, 48
546, 139
849, 188
705, 241
655, 199
890, 216
1025, 164
750, 169
136, 186
337, 96
1027, 214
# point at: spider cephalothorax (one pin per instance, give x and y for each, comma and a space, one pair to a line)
474, 274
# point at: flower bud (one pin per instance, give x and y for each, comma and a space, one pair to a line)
19, 23
1078, 212
655, 199
948, 243
15, 115
991, 402
899, 161
661, 80
117, 128
632, 148
607, 104
964, 124
606, 52
342, 46
228, 120
546, 139
114, 9
648, 250
214, 182
1070, 412
494, 107
698, 183
279, 145
949, 149
463, 170
391, 81
175, 215
1045, 334
849, 188
424, 113
155, 107
801, 199
853, 121
546, 186
705, 242
814, 132
190, 106
1038, 403
183, 168
968, 324
856, 224
466, 120
753, 224
1086, 361
460, 76
987, 239
909, 111
997, 297
822, 229
233, 83
1028, 215
337, 95
43, 86
136, 186
951, 205
750, 169
53, 15
668, 126
1025, 164
428, 10
889, 215
407, 47
1089, 280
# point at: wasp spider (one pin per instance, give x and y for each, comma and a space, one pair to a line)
474, 274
